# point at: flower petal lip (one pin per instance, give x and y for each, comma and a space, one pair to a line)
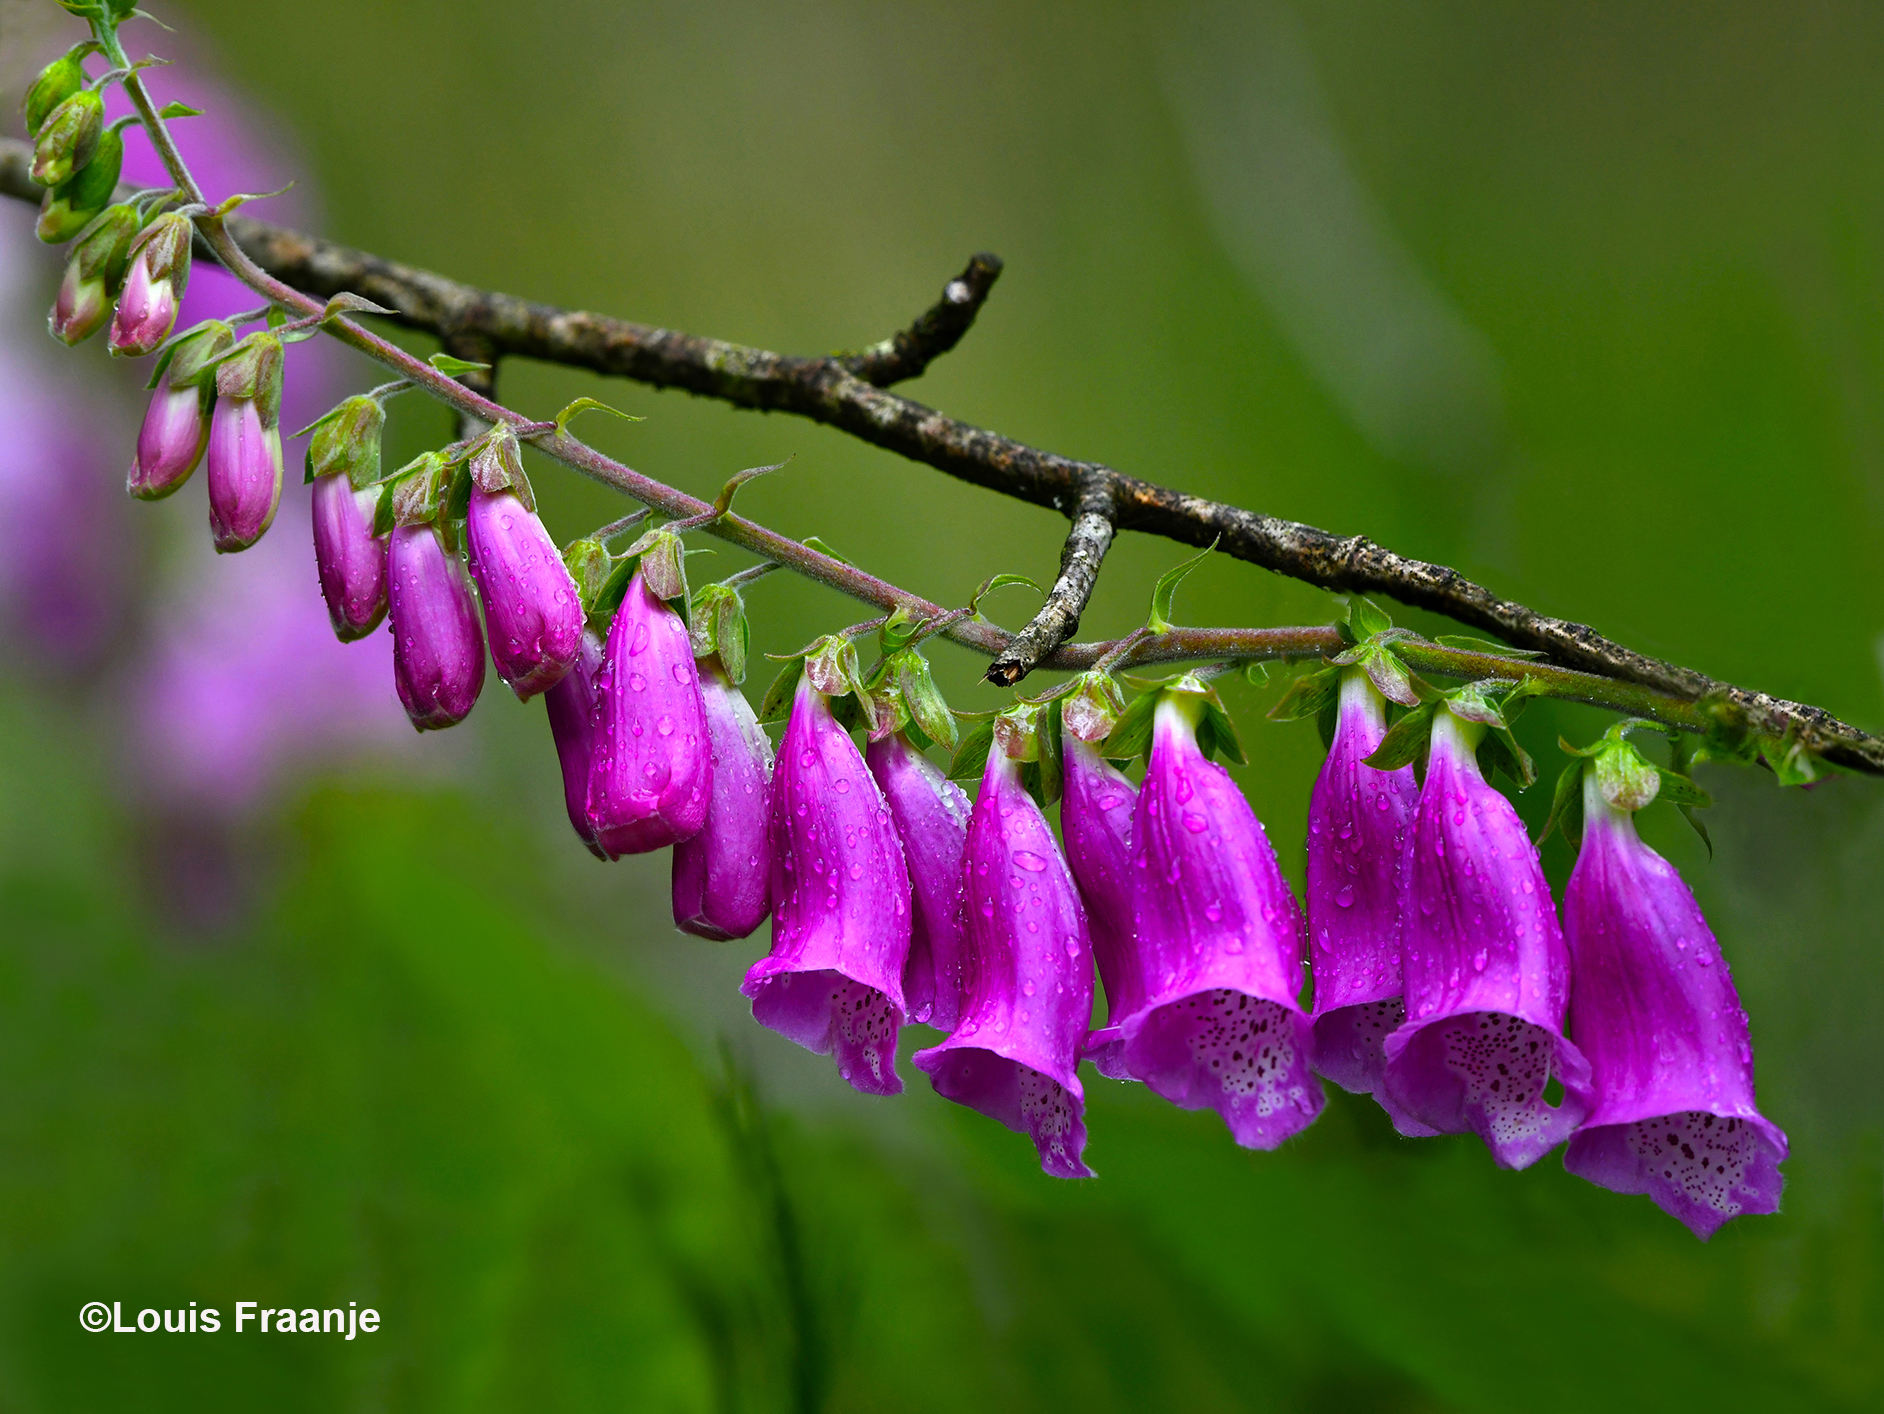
1096, 820
438, 644
1360, 821
571, 706
351, 563
532, 611
244, 474
1027, 977
931, 816
651, 766
1654, 1009
1486, 972
170, 442
722, 885
833, 981
1220, 948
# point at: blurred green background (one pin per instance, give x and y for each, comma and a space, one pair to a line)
1587, 300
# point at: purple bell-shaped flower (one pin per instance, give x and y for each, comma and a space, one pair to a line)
438, 645
1219, 942
571, 705
833, 981
722, 876
1027, 974
931, 815
153, 286
1486, 974
245, 445
532, 612
1096, 809
651, 765
1359, 823
1654, 1009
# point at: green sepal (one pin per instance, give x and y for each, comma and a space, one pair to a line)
252, 369
1045, 776
347, 441
1681, 790
663, 564
178, 109
1130, 737
1792, 764
68, 138
1165, 590
833, 669
190, 357
1625, 778
1308, 695
67, 209
718, 625
55, 83
414, 494
922, 699
1500, 751
1366, 618
1566, 807
614, 587
588, 563
811, 542
1699, 825
1091, 706
1405, 741
495, 463
971, 752
723, 502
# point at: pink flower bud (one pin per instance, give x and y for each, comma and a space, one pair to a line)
244, 474
651, 776
81, 307
571, 706
169, 443
532, 611
438, 645
351, 562
1096, 819
931, 816
722, 885
147, 311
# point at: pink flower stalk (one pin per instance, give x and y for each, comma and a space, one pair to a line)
1360, 821
931, 816
571, 706
153, 287
722, 876
1219, 946
438, 644
349, 559
1014, 1056
1654, 1009
1487, 977
1096, 819
651, 768
833, 981
532, 611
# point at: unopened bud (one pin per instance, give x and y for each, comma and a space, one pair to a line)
350, 561
245, 444
57, 82
170, 443
153, 288
532, 609
68, 208
67, 139
438, 647
346, 442
92, 274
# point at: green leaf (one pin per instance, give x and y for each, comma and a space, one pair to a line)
1308, 695
923, 700
582, 405
723, 502
811, 542
179, 110
348, 303
1131, 735
1566, 807
1000, 581
1165, 590
1405, 739
777, 705
1700, 827
971, 755
1465, 643
1678, 789
453, 367
1367, 618
1218, 733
